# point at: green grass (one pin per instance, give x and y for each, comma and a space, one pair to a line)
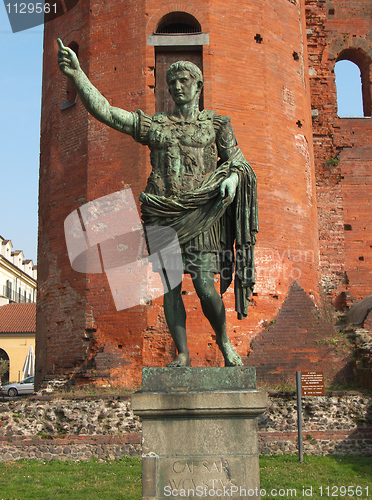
58, 480
281, 477
325, 475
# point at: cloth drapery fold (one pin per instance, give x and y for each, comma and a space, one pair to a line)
196, 211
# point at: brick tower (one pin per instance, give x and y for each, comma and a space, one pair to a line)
255, 65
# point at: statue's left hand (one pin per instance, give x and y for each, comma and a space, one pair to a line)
228, 188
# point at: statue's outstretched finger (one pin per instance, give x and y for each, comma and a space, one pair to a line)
60, 44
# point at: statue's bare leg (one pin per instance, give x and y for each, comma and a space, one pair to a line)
175, 316
214, 310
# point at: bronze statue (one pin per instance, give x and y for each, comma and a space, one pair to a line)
200, 185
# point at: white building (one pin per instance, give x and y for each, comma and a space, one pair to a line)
17, 275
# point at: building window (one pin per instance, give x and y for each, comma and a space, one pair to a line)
353, 84
177, 23
178, 37
163, 59
8, 290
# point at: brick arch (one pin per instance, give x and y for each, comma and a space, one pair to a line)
355, 55
176, 7
348, 42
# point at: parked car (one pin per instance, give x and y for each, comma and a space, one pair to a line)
26, 386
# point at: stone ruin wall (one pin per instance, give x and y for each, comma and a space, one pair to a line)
47, 428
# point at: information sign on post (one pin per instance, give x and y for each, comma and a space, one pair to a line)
312, 384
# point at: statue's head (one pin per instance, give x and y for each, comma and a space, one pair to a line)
185, 66
191, 68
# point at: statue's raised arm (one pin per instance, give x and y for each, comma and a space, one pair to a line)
93, 100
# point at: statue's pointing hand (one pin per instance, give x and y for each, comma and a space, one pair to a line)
67, 61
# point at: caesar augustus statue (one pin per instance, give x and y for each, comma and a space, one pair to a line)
200, 185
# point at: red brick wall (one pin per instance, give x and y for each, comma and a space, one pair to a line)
342, 189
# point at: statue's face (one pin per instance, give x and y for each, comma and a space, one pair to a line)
183, 87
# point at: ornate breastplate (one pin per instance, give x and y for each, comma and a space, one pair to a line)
183, 153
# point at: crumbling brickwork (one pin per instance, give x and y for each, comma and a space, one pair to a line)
342, 146
300, 338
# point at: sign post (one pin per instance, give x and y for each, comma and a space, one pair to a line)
299, 417
307, 384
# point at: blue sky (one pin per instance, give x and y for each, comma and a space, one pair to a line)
349, 89
20, 91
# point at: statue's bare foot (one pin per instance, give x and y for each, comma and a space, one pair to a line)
232, 358
181, 360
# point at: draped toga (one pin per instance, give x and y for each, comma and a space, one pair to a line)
183, 192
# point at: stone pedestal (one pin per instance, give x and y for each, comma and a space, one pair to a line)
199, 432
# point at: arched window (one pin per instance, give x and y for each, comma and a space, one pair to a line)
178, 37
71, 94
353, 83
349, 89
177, 23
